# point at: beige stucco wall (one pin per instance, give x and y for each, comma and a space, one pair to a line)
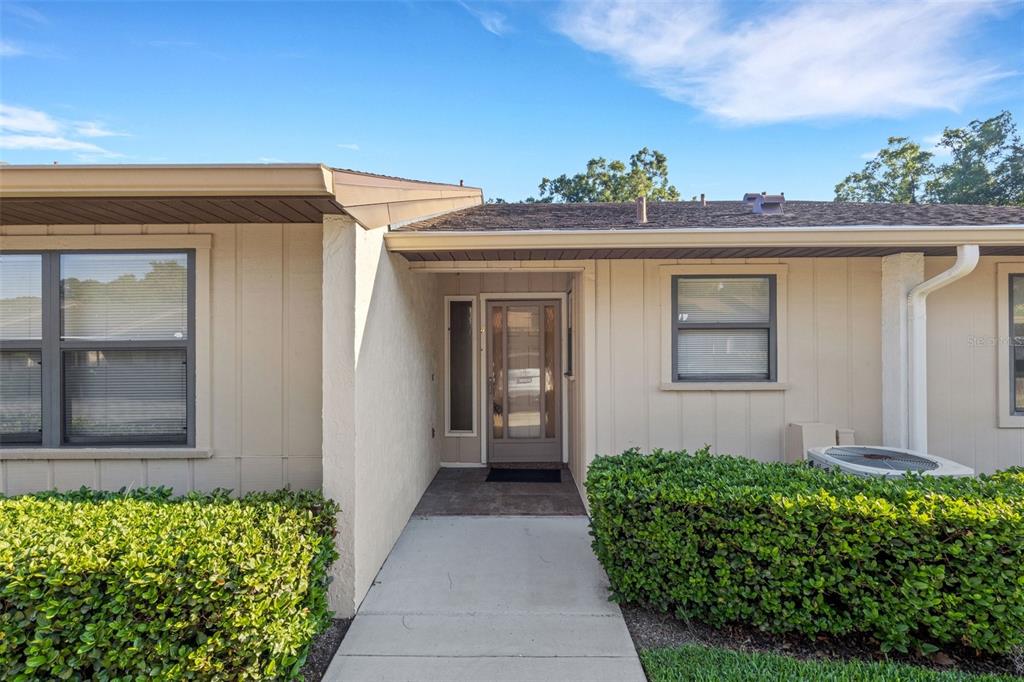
261, 409
382, 423
832, 350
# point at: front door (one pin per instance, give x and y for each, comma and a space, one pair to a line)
524, 382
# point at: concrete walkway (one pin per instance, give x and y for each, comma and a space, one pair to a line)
489, 598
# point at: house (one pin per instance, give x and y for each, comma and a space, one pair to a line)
253, 327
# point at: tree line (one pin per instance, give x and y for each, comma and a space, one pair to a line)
985, 166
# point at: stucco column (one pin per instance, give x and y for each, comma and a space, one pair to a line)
901, 272
338, 329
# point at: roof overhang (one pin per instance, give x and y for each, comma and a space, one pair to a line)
717, 242
266, 193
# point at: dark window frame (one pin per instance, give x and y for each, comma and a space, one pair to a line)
1014, 342
52, 348
771, 327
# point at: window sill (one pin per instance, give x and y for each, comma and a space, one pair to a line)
725, 386
71, 453
1011, 421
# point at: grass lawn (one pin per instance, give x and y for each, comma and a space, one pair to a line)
692, 663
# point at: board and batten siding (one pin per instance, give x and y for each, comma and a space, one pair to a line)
833, 355
265, 360
963, 371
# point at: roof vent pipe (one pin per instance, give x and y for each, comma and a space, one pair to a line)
641, 210
917, 311
703, 201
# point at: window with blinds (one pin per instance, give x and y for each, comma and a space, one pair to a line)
1017, 341
21, 348
97, 348
724, 328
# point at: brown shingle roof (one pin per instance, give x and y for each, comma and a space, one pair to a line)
717, 214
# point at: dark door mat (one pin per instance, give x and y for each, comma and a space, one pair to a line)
524, 476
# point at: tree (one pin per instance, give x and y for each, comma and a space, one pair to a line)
987, 165
646, 175
896, 174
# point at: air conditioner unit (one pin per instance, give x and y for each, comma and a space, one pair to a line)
864, 460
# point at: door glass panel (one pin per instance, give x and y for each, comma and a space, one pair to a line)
524, 372
550, 371
21, 296
497, 372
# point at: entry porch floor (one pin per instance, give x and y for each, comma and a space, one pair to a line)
465, 492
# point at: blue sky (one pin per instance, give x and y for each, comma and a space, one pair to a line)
740, 96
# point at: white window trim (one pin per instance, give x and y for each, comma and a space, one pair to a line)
447, 373
201, 243
667, 272
1007, 420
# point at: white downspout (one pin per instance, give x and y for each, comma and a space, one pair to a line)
966, 260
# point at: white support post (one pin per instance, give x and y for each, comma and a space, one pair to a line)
901, 272
338, 292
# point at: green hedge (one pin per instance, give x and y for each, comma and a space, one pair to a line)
919, 562
145, 586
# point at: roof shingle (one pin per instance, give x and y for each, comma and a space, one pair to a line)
716, 215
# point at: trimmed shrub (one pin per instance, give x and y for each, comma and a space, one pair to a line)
918, 562
141, 585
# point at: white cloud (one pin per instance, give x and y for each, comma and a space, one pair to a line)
492, 20
51, 142
31, 129
351, 146
930, 143
22, 120
94, 129
781, 62
28, 14
9, 49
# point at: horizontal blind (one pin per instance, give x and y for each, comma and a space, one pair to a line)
21, 400
722, 352
130, 296
21, 296
125, 395
723, 300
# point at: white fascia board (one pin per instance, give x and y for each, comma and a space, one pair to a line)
710, 237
